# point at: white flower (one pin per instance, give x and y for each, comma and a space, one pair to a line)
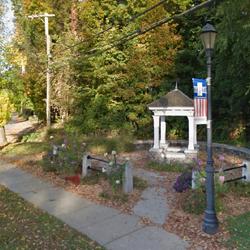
51, 137
162, 155
203, 180
222, 179
117, 182
84, 144
127, 159
113, 152
111, 163
105, 154
104, 170
63, 145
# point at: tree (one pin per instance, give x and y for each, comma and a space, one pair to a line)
232, 62
5, 113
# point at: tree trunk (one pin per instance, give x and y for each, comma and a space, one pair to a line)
3, 139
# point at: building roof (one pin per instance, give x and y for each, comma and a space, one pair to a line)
174, 98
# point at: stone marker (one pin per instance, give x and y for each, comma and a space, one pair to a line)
194, 174
246, 171
128, 178
85, 164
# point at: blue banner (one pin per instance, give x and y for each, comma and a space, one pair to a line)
200, 88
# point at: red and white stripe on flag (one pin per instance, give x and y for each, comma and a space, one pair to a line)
200, 107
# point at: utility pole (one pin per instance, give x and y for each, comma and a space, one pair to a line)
48, 85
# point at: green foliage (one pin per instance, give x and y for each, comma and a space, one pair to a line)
232, 79
168, 167
194, 202
65, 158
25, 149
6, 107
239, 188
139, 183
115, 196
102, 89
239, 230
100, 145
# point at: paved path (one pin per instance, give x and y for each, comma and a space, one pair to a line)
17, 127
153, 204
108, 226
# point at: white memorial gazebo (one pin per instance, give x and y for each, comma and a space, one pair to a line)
174, 103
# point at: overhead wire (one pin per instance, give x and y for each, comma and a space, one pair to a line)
112, 25
139, 32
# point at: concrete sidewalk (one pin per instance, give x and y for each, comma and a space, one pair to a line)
107, 226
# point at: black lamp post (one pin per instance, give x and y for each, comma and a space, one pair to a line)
210, 224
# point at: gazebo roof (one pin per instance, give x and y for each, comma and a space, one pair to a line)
174, 98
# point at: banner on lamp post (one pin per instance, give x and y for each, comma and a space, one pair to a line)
200, 97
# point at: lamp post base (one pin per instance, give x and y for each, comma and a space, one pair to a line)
210, 223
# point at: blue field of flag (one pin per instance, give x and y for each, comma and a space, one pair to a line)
200, 88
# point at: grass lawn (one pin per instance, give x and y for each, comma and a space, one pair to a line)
239, 228
22, 226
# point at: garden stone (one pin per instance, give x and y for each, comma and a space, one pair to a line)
246, 171
86, 163
128, 178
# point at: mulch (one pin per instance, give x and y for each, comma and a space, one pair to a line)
187, 226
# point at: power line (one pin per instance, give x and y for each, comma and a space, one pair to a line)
159, 23
140, 32
111, 26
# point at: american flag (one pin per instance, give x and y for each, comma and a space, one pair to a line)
200, 97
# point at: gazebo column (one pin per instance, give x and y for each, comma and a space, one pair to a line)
195, 134
156, 131
191, 131
163, 131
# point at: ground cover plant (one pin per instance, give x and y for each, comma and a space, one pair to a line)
167, 167
239, 229
25, 227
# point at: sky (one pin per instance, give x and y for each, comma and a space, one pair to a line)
8, 19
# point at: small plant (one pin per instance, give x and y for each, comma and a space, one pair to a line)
114, 196
139, 183
239, 188
183, 182
115, 176
194, 202
65, 158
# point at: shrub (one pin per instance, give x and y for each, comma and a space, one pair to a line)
195, 202
67, 159
183, 182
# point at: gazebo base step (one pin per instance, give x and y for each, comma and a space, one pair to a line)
175, 155
174, 149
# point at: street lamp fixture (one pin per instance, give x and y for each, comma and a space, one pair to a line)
210, 223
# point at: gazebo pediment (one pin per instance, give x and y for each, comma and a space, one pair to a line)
174, 98
174, 103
